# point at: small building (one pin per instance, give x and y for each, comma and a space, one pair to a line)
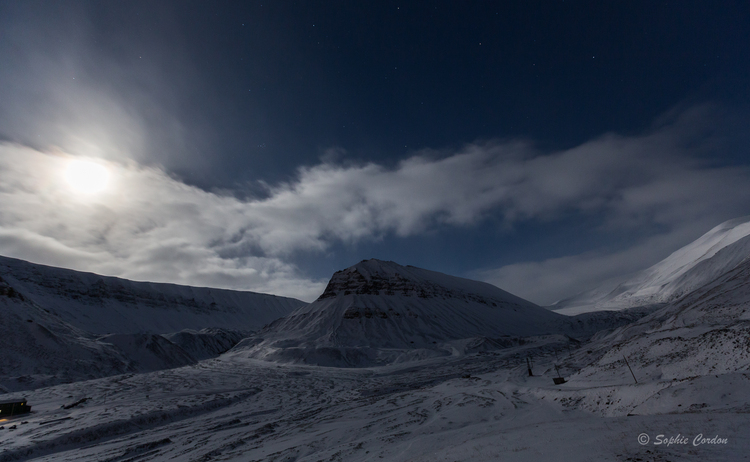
11, 408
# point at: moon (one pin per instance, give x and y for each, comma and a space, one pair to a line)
86, 176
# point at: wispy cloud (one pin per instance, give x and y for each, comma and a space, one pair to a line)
600, 270
149, 225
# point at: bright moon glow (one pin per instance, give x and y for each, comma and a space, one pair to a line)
87, 177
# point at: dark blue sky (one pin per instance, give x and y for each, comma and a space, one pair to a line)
235, 98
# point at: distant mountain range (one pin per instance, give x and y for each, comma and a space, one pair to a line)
105, 305
59, 325
715, 253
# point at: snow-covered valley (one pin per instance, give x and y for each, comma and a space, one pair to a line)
475, 407
429, 368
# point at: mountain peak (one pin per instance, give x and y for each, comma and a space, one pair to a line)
731, 224
388, 278
378, 311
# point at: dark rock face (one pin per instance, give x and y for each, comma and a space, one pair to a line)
8, 291
351, 281
356, 312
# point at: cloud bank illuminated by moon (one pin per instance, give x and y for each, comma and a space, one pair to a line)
153, 226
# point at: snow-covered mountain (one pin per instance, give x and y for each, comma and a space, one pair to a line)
379, 311
106, 305
479, 407
38, 348
59, 325
698, 263
706, 332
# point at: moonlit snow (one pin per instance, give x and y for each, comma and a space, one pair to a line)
687, 269
390, 363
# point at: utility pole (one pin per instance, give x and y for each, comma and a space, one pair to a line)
631, 370
559, 379
528, 365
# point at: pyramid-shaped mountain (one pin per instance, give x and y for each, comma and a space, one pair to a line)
375, 308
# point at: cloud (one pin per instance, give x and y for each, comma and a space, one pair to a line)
647, 180
548, 281
145, 226
149, 225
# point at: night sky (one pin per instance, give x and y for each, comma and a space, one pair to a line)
546, 147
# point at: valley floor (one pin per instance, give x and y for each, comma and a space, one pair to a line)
475, 407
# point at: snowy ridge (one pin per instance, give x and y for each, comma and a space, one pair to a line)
373, 277
59, 325
38, 348
698, 263
104, 305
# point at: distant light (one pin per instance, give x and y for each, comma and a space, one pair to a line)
86, 176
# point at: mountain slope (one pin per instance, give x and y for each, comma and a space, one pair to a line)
38, 348
372, 309
705, 332
205, 343
687, 269
104, 305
